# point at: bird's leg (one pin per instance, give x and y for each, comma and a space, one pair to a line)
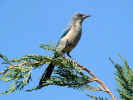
72, 59
68, 54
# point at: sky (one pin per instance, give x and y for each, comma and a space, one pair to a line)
25, 24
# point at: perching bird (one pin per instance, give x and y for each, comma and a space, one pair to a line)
66, 43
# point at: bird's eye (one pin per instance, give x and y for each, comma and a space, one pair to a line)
80, 15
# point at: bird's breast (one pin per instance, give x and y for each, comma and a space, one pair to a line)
74, 35
72, 38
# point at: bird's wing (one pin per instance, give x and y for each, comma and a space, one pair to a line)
66, 30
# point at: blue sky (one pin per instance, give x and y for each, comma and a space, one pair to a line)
25, 24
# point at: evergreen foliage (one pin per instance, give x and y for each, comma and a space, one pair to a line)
18, 72
67, 73
97, 97
124, 78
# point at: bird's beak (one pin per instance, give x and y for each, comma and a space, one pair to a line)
85, 16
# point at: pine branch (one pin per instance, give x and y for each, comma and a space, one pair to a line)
68, 73
101, 83
124, 77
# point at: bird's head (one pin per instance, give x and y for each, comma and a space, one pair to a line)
78, 17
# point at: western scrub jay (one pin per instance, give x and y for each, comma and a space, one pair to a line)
66, 43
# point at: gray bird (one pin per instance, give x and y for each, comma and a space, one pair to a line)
66, 43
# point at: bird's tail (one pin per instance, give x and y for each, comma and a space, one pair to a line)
47, 73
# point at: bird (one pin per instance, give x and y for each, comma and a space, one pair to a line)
66, 43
